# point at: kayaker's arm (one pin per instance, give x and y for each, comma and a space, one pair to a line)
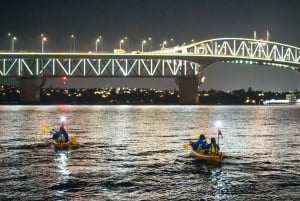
56, 135
195, 145
205, 146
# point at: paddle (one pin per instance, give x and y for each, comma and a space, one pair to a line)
73, 141
195, 134
45, 129
186, 145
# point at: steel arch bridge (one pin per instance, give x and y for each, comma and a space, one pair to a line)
243, 50
188, 60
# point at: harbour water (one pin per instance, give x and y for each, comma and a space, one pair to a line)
136, 153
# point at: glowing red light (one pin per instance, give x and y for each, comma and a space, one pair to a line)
64, 77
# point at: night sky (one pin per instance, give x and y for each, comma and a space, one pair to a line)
181, 20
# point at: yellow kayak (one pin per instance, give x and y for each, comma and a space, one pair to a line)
199, 154
61, 145
64, 145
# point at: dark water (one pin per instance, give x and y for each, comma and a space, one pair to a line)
136, 153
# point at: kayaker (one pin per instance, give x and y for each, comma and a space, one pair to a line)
61, 135
200, 143
213, 146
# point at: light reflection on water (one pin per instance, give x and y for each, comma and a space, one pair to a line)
61, 164
136, 153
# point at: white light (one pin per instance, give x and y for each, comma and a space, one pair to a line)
218, 123
62, 119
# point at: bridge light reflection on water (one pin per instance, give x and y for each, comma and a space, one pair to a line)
62, 171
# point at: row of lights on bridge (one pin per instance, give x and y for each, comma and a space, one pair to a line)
123, 44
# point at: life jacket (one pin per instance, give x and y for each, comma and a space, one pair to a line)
201, 145
61, 138
213, 149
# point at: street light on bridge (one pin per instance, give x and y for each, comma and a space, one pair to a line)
72, 43
9, 36
164, 44
101, 43
121, 42
13, 43
126, 41
97, 41
172, 42
12, 40
151, 43
44, 39
143, 42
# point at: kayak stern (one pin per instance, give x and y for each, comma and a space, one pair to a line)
200, 155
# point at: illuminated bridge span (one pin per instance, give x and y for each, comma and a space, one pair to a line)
95, 65
242, 50
186, 60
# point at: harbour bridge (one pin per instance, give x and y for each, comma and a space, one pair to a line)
185, 63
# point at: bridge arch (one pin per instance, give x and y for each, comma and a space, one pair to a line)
247, 51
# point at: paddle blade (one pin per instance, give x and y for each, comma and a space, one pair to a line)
45, 129
186, 145
73, 140
195, 134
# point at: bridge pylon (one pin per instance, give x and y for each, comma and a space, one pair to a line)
30, 88
188, 89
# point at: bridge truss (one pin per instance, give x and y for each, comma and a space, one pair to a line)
188, 60
79, 66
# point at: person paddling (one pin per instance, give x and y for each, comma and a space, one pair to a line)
61, 136
200, 144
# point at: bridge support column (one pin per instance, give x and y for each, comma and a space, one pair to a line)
188, 90
30, 88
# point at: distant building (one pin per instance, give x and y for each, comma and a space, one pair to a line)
289, 99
